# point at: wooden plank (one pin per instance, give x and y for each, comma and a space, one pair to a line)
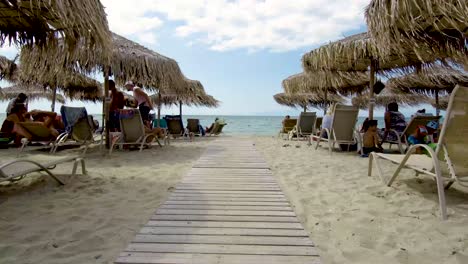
225, 203
223, 249
223, 240
211, 224
223, 212
226, 207
219, 198
226, 195
187, 258
240, 193
147, 230
226, 187
225, 218
229, 182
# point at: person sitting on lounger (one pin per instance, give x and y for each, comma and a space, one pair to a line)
371, 138
217, 121
394, 120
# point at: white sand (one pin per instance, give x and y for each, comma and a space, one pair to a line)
93, 217
356, 219
351, 217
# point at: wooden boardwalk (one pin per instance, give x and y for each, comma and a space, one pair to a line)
228, 209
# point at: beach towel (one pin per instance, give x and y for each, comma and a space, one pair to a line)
71, 115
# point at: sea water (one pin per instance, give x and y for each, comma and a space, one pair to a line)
239, 125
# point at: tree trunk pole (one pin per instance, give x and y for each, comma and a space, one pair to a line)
326, 103
437, 102
180, 108
371, 88
158, 122
54, 98
105, 106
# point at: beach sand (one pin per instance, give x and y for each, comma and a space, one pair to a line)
354, 218
93, 217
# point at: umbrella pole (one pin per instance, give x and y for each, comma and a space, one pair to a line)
158, 122
180, 108
371, 89
437, 102
105, 109
54, 98
305, 108
326, 103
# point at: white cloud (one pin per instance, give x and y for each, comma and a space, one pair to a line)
276, 25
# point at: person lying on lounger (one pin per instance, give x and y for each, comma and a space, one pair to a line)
12, 124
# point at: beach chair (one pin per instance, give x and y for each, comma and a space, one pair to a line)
304, 126
40, 134
133, 131
217, 129
416, 121
448, 163
175, 126
17, 169
342, 130
288, 125
79, 127
193, 128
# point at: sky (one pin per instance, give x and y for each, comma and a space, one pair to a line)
240, 50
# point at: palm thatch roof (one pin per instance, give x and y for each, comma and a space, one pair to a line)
34, 92
129, 61
311, 82
200, 99
429, 81
442, 104
436, 25
8, 69
355, 53
388, 96
44, 22
301, 100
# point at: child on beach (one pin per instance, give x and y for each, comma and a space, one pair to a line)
424, 135
371, 139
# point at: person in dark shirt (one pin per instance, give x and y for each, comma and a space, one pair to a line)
117, 103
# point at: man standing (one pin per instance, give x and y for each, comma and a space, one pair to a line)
117, 103
144, 102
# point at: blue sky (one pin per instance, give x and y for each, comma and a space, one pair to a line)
240, 50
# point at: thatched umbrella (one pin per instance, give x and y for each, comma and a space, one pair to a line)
33, 92
402, 25
196, 97
388, 96
432, 82
8, 69
41, 22
304, 100
345, 83
358, 53
129, 61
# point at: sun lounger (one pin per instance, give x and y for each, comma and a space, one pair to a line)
193, 128
78, 127
448, 163
40, 134
410, 128
304, 126
342, 130
288, 125
175, 126
133, 131
217, 129
16, 169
